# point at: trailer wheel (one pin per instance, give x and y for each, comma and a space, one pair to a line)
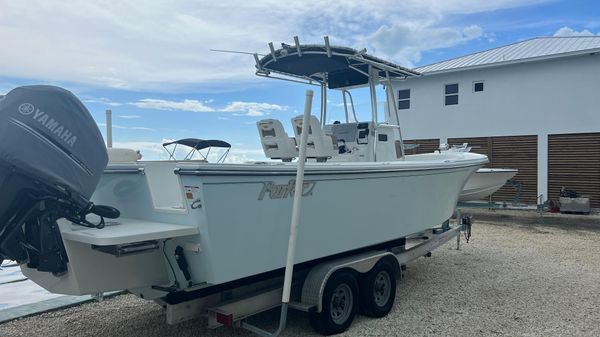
340, 303
378, 290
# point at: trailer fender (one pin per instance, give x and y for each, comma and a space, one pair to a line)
314, 284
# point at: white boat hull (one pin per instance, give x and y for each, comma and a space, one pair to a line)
237, 218
240, 227
484, 182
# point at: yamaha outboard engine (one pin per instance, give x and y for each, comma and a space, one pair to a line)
51, 158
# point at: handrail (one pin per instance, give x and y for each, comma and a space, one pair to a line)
344, 92
124, 170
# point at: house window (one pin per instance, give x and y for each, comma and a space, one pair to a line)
404, 99
478, 86
451, 94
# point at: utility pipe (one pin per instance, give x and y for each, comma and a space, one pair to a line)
109, 128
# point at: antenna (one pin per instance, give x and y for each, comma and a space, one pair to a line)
235, 52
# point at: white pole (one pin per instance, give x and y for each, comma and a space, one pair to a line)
291, 253
323, 94
373, 81
324, 119
391, 100
394, 104
109, 128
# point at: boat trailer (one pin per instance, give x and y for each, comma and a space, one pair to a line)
235, 306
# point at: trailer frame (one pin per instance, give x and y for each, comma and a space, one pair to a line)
233, 307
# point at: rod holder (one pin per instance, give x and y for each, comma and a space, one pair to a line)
272, 51
297, 42
327, 46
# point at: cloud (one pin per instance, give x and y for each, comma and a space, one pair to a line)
117, 126
253, 109
102, 100
239, 108
161, 104
469, 7
130, 116
406, 42
567, 31
164, 45
491, 37
472, 32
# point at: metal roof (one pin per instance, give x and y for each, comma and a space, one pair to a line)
529, 50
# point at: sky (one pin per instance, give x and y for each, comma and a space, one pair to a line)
151, 63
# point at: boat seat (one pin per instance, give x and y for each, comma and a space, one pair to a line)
319, 145
121, 155
275, 141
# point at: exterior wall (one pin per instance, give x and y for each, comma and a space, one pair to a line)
425, 145
574, 163
534, 98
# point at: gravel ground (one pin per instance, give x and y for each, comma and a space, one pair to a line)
511, 280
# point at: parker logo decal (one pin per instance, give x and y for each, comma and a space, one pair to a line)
26, 109
284, 191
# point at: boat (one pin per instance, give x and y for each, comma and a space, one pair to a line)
79, 224
196, 146
485, 181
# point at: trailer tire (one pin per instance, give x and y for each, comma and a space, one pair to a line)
378, 290
340, 303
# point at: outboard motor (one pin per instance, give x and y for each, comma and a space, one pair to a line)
51, 158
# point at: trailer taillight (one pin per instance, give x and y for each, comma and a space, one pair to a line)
225, 319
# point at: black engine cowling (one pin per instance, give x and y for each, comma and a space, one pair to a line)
51, 158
